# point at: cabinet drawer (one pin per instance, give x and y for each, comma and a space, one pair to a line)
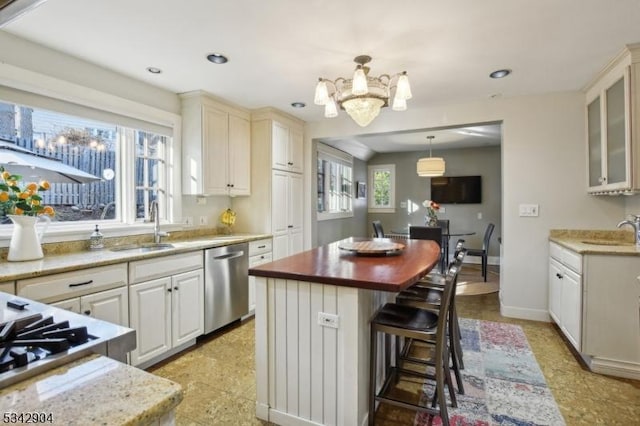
260, 259
144, 270
555, 251
572, 260
53, 288
260, 246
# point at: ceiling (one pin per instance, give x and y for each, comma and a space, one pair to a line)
277, 49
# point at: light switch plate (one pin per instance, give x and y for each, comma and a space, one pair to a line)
528, 210
327, 320
201, 201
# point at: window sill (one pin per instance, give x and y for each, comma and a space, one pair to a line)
380, 210
330, 216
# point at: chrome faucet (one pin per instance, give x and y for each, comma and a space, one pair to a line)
155, 216
636, 227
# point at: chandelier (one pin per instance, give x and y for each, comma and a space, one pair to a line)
362, 96
431, 166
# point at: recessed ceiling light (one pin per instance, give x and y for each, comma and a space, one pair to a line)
500, 73
217, 58
298, 104
154, 70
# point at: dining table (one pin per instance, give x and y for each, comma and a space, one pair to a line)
403, 233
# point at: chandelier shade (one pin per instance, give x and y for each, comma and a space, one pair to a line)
430, 166
362, 96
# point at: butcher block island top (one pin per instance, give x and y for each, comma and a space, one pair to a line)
330, 264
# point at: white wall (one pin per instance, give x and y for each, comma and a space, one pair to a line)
543, 162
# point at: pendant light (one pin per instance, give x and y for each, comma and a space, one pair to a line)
431, 166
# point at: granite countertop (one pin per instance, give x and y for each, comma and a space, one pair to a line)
94, 390
616, 242
329, 264
65, 262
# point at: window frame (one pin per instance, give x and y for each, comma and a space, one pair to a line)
341, 158
372, 207
33, 85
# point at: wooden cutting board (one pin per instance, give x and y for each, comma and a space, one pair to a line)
372, 247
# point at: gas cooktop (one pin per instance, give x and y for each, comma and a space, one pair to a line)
35, 337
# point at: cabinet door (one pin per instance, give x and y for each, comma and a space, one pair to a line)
280, 246
239, 156
255, 261
555, 291
8, 287
215, 134
188, 306
295, 202
572, 307
594, 142
110, 305
280, 146
296, 151
279, 203
616, 166
150, 316
295, 243
72, 305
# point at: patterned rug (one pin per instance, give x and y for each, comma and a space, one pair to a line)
502, 381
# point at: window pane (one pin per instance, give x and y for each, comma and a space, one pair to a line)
149, 172
85, 145
381, 188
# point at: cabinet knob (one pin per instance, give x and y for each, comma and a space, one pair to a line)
290, 226
290, 163
169, 290
175, 288
559, 276
87, 312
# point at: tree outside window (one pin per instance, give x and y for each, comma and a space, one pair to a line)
382, 188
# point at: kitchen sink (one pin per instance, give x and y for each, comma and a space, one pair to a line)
142, 248
606, 243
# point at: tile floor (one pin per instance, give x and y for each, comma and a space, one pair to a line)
218, 377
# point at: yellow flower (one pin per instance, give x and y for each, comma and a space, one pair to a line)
22, 201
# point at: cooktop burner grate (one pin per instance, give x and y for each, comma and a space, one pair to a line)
35, 337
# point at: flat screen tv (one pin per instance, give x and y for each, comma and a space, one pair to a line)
456, 189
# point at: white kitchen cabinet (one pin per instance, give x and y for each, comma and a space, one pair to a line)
287, 218
99, 292
287, 148
8, 287
276, 203
110, 305
565, 292
260, 252
595, 300
216, 144
613, 121
166, 305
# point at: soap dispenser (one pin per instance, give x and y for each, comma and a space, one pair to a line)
96, 240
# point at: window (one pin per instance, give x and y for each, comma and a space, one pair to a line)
114, 152
335, 183
382, 188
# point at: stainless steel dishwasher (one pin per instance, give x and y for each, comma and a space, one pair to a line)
226, 285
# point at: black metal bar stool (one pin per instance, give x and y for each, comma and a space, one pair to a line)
422, 325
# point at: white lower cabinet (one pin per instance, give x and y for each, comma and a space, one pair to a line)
595, 300
8, 287
260, 252
110, 305
167, 313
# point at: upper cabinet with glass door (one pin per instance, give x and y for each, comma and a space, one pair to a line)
613, 121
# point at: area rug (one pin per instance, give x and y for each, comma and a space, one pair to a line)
502, 381
471, 283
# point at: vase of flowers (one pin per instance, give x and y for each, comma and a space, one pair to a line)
24, 207
431, 218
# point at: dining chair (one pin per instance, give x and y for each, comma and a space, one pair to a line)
432, 233
444, 224
484, 251
377, 229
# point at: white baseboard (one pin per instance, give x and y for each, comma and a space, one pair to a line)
610, 367
491, 260
524, 313
262, 411
285, 419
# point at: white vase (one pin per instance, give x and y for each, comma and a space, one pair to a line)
25, 241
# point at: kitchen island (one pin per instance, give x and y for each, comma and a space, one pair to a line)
312, 329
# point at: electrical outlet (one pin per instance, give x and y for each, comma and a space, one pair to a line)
201, 201
188, 221
203, 220
479, 215
442, 210
328, 320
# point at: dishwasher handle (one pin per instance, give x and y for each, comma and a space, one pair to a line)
228, 256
